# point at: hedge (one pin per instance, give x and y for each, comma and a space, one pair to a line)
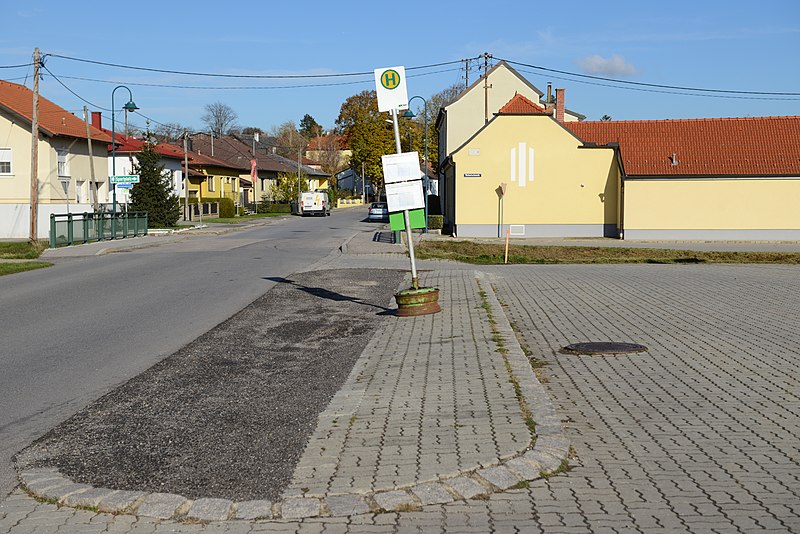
435, 221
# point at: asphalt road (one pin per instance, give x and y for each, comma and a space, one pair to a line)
75, 331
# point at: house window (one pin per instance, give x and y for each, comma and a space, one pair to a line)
5, 161
210, 181
63, 164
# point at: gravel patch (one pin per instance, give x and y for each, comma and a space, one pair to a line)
228, 415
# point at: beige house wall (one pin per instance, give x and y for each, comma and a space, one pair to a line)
567, 191
741, 208
466, 115
15, 188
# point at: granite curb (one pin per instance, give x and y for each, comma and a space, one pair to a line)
546, 456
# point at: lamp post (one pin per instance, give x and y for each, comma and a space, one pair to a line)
130, 106
410, 114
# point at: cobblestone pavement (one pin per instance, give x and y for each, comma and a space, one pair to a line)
699, 434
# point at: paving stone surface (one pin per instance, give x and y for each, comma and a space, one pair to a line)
699, 434
430, 397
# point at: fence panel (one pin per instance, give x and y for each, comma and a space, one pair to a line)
71, 228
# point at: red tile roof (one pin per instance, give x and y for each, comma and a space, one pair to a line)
758, 146
131, 144
53, 119
521, 105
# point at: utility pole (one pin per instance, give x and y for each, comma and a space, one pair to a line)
466, 74
486, 86
95, 205
363, 184
34, 234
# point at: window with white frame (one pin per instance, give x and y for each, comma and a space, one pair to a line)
5, 161
211, 187
63, 163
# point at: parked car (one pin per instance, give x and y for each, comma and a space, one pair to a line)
378, 211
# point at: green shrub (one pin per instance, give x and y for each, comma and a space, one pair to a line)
227, 209
435, 221
275, 208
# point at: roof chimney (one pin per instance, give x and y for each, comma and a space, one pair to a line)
560, 105
549, 93
97, 120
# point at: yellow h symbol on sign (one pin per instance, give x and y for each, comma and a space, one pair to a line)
390, 79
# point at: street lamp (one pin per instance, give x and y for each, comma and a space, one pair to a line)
130, 106
410, 115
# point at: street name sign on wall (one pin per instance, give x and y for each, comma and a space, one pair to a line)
390, 84
125, 179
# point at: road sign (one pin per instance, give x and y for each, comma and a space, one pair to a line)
124, 186
390, 84
125, 179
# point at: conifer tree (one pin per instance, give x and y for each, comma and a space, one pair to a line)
154, 193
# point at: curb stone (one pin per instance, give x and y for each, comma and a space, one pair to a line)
550, 450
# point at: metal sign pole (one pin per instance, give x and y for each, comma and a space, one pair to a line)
406, 218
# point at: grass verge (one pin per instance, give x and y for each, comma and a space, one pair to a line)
22, 266
492, 254
20, 250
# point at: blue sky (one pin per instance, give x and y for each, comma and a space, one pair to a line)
732, 45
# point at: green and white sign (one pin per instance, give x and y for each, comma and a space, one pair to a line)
125, 179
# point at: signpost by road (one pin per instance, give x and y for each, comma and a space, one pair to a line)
403, 180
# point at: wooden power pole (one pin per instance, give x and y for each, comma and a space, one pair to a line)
95, 201
34, 234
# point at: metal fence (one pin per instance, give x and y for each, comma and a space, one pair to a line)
71, 228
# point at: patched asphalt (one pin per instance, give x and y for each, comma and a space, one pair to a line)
228, 415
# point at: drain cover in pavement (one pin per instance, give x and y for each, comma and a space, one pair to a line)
603, 347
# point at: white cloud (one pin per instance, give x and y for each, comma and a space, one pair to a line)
613, 66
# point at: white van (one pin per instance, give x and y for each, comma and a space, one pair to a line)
315, 203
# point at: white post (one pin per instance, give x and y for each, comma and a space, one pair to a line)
406, 218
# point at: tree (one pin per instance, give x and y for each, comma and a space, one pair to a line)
220, 118
169, 132
368, 134
154, 193
285, 188
309, 128
290, 141
327, 152
250, 130
437, 101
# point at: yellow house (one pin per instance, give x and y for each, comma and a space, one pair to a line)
534, 175
477, 104
63, 161
211, 178
709, 179
526, 173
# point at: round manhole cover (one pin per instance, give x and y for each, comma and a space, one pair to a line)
603, 347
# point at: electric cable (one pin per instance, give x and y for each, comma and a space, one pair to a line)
678, 87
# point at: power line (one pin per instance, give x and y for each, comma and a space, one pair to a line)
662, 91
678, 87
243, 87
249, 76
73, 92
15, 66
